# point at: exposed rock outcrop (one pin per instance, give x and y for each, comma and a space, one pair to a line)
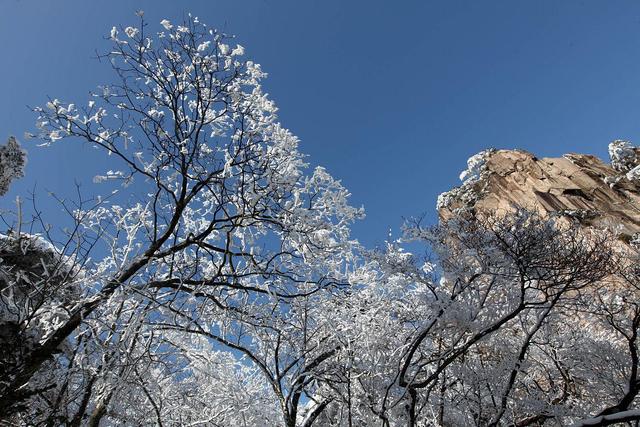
578, 186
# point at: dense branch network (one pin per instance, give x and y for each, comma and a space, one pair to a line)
212, 280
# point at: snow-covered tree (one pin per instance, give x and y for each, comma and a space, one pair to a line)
12, 162
522, 320
210, 224
210, 278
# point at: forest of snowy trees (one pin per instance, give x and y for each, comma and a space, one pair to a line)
211, 279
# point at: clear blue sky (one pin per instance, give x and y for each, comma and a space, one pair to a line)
391, 97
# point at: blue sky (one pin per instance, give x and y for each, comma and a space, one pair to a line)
391, 97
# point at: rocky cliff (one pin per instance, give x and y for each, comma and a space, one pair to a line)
582, 187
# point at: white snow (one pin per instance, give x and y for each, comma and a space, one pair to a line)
131, 32
238, 51
623, 155
476, 166
204, 46
166, 24
634, 174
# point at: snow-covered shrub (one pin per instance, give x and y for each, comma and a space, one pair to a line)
467, 193
623, 155
12, 161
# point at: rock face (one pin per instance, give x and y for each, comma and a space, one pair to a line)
577, 186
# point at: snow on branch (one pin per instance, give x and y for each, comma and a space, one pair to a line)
607, 420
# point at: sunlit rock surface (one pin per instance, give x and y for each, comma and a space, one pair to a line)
578, 186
